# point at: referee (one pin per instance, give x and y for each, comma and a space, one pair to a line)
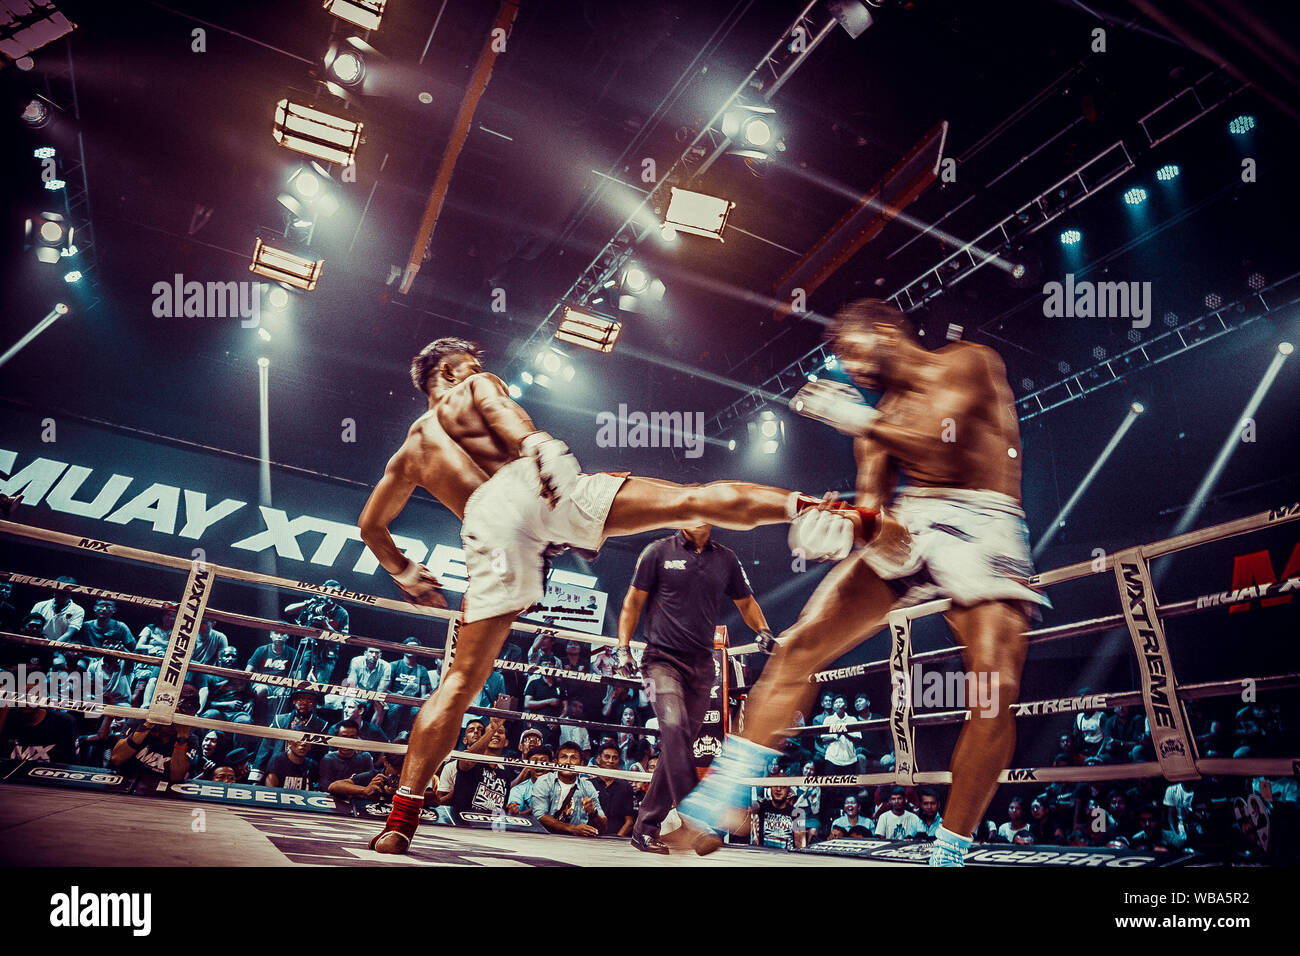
680, 581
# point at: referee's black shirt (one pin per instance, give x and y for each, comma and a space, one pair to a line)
685, 588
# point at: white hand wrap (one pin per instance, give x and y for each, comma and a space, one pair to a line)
556, 465
836, 404
821, 535
410, 576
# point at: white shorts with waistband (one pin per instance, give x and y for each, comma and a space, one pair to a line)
508, 527
967, 545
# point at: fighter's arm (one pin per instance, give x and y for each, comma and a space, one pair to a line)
386, 502
877, 474
504, 416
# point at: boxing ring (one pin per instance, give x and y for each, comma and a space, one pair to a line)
37, 822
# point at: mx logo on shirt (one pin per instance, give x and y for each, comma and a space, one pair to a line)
677, 565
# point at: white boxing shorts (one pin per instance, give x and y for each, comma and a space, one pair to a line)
509, 527
969, 546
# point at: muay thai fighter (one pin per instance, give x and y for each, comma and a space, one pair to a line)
519, 492
947, 420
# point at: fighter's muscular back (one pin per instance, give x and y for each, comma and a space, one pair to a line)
952, 424
459, 442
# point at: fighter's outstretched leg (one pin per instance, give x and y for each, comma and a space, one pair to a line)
848, 606
437, 725
647, 504
993, 643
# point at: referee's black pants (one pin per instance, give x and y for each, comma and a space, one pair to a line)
681, 698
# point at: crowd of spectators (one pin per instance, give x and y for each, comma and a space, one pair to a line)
1220, 816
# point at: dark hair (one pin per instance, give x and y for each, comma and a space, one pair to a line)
866, 312
544, 750
609, 745
897, 792
353, 723
569, 745
426, 363
927, 792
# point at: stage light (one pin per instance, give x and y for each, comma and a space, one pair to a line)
1170, 319
635, 280
544, 381
697, 213
1256, 281
1098, 352
1063, 368
595, 332
1018, 271
569, 373
365, 14
1071, 237
71, 277
667, 233
348, 68
314, 133
277, 298
1286, 348
515, 391
1213, 301
527, 377
750, 129
28, 25
831, 361
551, 363
731, 445
1012, 453
1167, 173
44, 152
1026, 383
812, 376
54, 185
1135, 196
61, 308
1138, 408
36, 113
852, 15
1241, 125
286, 267
310, 195
263, 334
768, 428
1134, 336
770, 446
264, 363
50, 237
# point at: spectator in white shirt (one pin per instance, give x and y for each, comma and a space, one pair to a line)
1018, 821
63, 616
369, 671
841, 744
898, 822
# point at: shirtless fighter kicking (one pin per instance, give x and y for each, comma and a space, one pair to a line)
519, 493
947, 420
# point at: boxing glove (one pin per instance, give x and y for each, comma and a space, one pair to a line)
838, 405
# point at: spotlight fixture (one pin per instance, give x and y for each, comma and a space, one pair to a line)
1071, 237
1098, 353
638, 288
1135, 196
1026, 383
365, 14
852, 15
1170, 319
552, 362
1063, 368
1241, 125
1167, 173
1134, 336
1018, 271
595, 332
277, 298
750, 130
54, 185
50, 237
314, 133
1286, 348
731, 444
1138, 408
515, 391
264, 363
346, 66
310, 193
526, 377
1213, 301
44, 152
698, 214
71, 277
286, 267
37, 112
263, 334
768, 431
1256, 281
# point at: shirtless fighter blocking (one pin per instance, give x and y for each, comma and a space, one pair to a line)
946, 419
519, 492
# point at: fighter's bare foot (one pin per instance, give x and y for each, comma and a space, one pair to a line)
391, 841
